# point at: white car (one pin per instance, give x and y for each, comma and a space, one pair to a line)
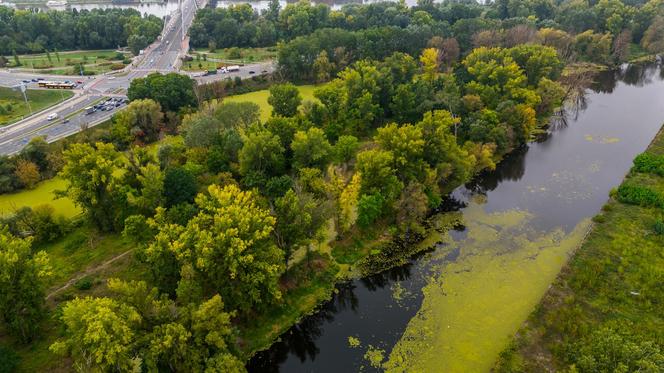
111, 78
52, 116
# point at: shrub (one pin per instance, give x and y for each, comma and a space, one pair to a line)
659, 226
639, 195
649, 163
83, 284
117, 66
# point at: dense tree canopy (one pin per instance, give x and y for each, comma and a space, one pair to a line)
23, 275
172, 91
25, 31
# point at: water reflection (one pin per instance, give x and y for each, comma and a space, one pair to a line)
561, 179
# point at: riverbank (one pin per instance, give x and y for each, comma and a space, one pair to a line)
604, 311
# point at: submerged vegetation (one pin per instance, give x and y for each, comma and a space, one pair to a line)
603, 312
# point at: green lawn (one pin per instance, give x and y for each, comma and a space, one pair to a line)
606, 305
13, 106
238, 55
95, 61
42, 194
260, 98
205, 60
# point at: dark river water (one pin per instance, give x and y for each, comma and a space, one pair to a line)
526, 211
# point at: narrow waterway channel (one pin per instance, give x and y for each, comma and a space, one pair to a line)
453, 309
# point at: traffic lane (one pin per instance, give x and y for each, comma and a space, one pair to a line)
59, 129
16, 131
244, 73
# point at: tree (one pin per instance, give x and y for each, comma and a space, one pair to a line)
285, 99
138, 329
228, 247
27, 173
411, 207
94, 183
179, 186
376, 168
322, 67
262, 154
99, 333
172, 91
295, 220
429, 60
141, 120
23, 278
345, 148
653, 39
311, 149
369, 208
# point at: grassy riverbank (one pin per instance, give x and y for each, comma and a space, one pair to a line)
604, 312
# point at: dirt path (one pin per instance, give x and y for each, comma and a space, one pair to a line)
87, 272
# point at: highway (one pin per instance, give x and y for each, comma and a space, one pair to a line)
162, 56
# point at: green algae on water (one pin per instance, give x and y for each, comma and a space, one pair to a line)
473, 305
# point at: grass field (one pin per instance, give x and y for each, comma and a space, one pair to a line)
228, 56
42, 194
95, 61
604, 312
260, 98
13, 107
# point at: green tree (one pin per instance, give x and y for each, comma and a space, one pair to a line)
369, 208
295, 220
94, 183
311, 149
285, 99
262, 154
141, 120
23, 276
228, 246
99, 333
172, 91
376, 168
345, 148
179, 186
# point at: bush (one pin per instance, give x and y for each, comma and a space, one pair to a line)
659, 227
117, 66
649, 163
39, 223
639, 195
84, 284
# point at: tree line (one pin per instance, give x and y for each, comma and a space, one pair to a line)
28, 31
601, 32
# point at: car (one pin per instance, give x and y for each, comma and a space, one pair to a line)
252, 72
67, 81
264, 72
25, 81
40, 79
79, 82
65, 121
111, 77
52, 116
34, 80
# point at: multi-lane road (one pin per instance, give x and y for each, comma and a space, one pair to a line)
162, 56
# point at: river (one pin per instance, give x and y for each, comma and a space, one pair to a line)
453, 309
